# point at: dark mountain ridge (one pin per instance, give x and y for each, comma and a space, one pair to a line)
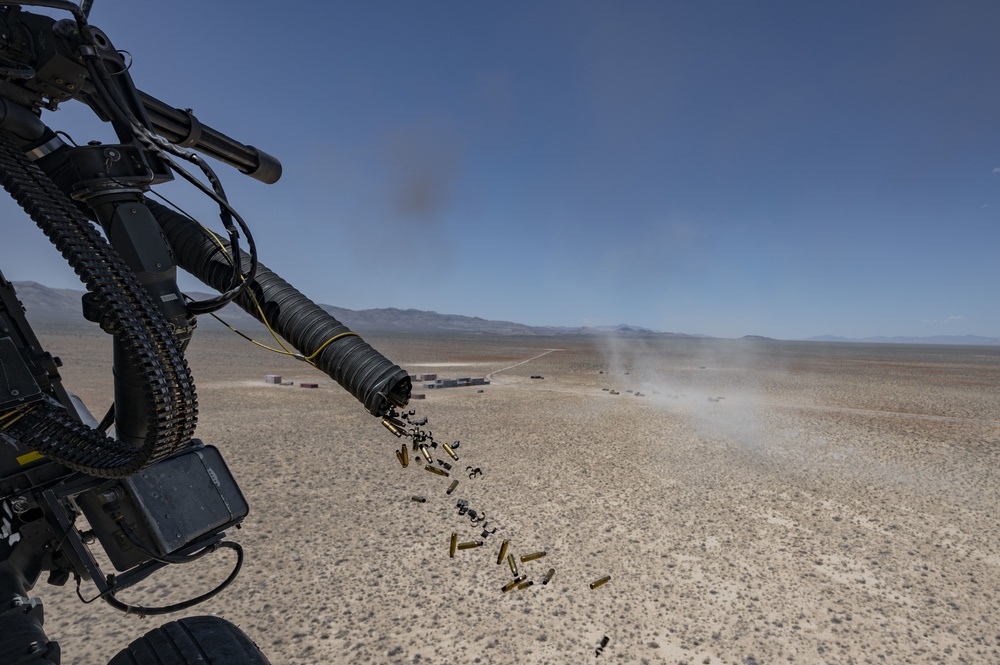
62, 306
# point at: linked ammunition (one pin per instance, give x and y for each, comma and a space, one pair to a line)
513, 583
531, 557
451, 488
513, 564
548, 576
451, 451
454, 543
503, 552
600, 582
470, 545
433, 469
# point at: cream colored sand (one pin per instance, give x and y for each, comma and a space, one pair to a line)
758, 503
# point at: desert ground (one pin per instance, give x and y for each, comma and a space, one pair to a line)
755, 502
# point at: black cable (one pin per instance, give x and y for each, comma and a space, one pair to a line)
373, 379
162, 558
109, 595
108, 91
111, 600
160, 147
116, 106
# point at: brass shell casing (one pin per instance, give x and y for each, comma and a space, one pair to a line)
600, 582
503, 551
513, 583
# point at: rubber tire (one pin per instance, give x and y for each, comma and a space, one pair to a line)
202, 640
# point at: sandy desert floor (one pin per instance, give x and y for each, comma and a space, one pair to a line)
759, 502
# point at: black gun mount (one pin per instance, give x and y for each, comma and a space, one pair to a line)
150, 494
43, 63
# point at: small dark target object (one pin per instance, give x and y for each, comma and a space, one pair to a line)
308, 385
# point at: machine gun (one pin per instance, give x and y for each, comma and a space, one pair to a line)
151, 494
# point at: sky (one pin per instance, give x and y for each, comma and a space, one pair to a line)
787, 169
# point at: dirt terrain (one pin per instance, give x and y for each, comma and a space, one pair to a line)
752, 501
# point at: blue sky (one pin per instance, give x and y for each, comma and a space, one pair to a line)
787, 169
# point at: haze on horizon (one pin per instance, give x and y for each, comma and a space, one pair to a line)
775, 168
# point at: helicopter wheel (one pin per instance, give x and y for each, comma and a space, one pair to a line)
203, 640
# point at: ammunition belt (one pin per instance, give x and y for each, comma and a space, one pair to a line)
127, 312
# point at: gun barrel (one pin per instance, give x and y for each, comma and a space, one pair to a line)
182, 128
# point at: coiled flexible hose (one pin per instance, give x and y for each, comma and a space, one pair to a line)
374, 380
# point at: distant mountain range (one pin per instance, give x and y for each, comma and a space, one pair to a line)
62, 306
966, 340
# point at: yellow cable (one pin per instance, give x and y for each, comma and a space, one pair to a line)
327, 343
260, 311
263, 318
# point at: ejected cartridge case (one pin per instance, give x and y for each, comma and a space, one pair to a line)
426, 453
600, 582
531, 557
392, 426
454, 543
525, 585
451, 488
404, 456
513, 564
513, 583
503, 552
418, 499
472, 544
448, 449
433, 469
548, 576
